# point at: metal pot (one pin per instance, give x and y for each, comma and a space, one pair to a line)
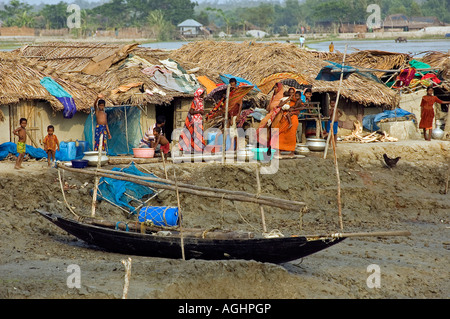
301, 149
316, 144
92, 158
437, 133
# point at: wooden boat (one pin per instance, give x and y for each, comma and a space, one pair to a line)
134, 242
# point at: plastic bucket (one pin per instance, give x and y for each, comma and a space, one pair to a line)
260, 154
159, 215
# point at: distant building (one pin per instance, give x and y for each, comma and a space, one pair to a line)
395, 22
190, 28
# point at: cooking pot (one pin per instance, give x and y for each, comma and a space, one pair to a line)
92, 158
301, 149
316, 144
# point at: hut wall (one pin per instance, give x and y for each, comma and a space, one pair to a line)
5, 132
39, 115
351, 112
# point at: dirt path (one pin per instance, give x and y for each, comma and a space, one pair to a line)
35, 255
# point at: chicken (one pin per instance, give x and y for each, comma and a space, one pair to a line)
390, 162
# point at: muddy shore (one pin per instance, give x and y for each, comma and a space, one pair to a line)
35, 255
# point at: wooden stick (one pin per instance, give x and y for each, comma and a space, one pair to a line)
127, 264
193, 189
341, 224
373, 234
64, 195
203, 188
336, 105
225, 124
94, 195
261, 208
179, 213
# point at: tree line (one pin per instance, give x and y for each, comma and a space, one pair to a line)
231, 16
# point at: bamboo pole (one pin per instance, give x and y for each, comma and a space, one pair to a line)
179, 213
373, 234
225, 124
214, 193
331, 136
203, 188
94, 195
261, 208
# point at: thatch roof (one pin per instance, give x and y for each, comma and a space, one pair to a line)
255, 61
102, 68
440, 60
19, 81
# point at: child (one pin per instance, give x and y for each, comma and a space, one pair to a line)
21, 132
51, 143
335, 123
102, 123
160, 140
148, 136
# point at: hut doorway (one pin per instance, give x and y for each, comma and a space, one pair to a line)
167, 110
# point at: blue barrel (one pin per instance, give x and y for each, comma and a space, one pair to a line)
159, 215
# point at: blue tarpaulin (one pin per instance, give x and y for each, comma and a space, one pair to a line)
9, 147
369, 122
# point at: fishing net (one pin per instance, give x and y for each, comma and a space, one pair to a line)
125, 128
125, 193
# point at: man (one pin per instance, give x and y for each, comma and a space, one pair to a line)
102, 122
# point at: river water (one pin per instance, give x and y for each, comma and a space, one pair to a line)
413, 47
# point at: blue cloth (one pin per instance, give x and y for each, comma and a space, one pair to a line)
62, 95
335, 127
226, 79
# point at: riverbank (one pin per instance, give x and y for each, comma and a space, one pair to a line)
35, 255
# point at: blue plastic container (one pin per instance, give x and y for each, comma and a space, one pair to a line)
159, 215
216, 138
81, 148
71, 150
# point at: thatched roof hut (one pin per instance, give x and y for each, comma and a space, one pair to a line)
103, 68
255, 61
21, 82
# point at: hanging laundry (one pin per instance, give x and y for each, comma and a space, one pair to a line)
62, 95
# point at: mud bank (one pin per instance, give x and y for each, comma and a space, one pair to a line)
35, 255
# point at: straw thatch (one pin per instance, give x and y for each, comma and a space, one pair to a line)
19, 82
255, 61
102, 68
439, 60
371, 59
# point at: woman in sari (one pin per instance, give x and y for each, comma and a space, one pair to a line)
427, 112
282, 124
191, 138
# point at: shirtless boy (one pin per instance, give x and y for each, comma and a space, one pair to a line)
102, 122
21, 132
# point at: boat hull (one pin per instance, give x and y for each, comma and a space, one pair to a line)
273, 250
